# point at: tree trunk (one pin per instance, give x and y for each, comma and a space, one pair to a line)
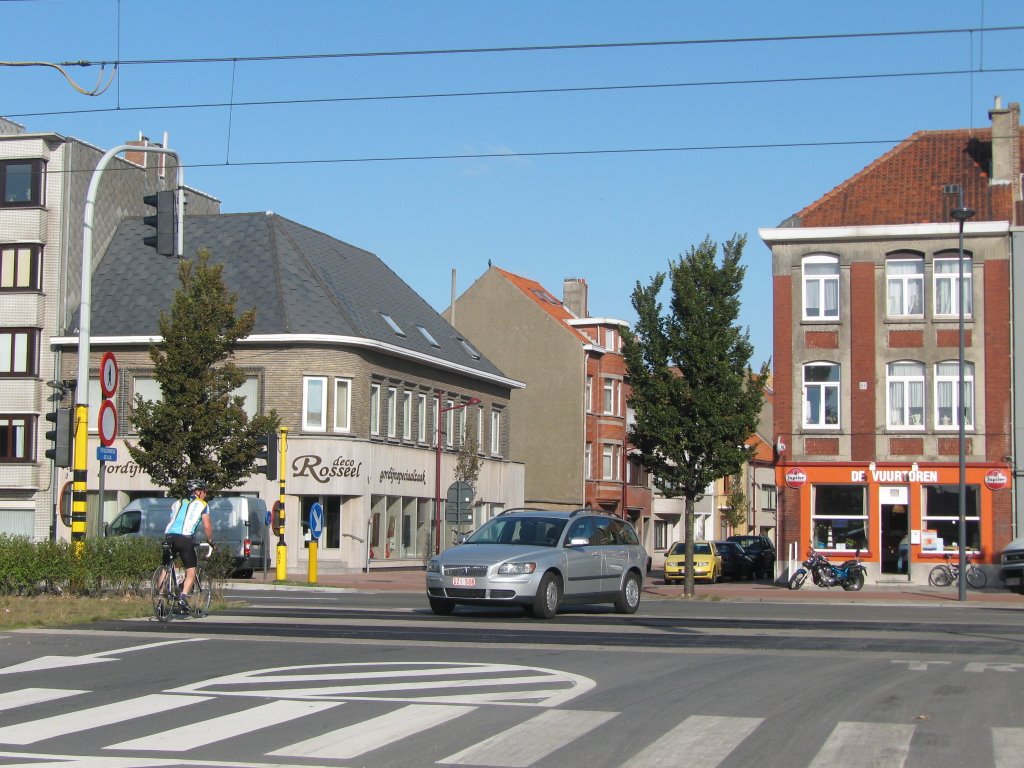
688, 532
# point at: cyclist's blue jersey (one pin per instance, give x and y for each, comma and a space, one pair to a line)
186, 514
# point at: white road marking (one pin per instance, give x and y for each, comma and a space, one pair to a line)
703, 740
59, 662
1008, 746
86, 719
215, 729
27, 696
354, 740
528, 742
865, 745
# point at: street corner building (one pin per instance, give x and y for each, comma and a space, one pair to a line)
377, 391
896, 356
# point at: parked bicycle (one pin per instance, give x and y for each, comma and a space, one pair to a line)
948, 573
167, 582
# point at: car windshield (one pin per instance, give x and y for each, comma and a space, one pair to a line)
699, 548
520, 531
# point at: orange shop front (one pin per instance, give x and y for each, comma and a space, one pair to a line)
904, 518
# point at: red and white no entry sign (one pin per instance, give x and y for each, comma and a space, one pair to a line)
107, 422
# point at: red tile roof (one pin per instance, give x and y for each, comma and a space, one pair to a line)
544, 299
904, 186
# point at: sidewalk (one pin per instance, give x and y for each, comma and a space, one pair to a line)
412, 580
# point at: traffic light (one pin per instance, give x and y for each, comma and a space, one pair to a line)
165, 222
268, 453
62, 436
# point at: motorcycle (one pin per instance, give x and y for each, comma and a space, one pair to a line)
849, 575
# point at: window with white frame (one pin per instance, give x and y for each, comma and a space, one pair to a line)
946, 276
375, 409
407, 415
19, 351
588, 393
588, 462
821, 287
392, 411
20, 267
421, 417
435, 407
769, 498
314, 403
821, 395
495, 432
839, 518
904, 286
449, 424
342, 405
661, 531
480, 429
947, 395
905, 393
610, 455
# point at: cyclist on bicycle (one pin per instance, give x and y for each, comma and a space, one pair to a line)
186, 515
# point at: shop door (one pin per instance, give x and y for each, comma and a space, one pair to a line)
894, 518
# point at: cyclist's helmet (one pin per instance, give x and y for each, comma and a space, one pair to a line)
195, 485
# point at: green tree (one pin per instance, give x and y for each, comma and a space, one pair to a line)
695, 397
735, 511
468, 463
198, 429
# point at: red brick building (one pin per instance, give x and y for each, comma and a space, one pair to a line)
866, 347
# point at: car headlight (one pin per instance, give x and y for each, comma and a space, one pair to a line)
433, 566
516, 569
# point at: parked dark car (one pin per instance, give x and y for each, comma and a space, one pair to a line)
736, 563
761, 550
1011, 563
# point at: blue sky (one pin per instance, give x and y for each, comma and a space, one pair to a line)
611, 217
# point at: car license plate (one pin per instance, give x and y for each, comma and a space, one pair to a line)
463, 581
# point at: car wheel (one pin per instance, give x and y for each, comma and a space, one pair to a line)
629, 599
441, 606
548, 597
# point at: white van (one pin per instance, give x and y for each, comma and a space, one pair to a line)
238, 523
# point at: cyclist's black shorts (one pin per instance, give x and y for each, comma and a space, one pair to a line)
184, 547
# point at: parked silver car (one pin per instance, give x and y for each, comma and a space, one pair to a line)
541, 560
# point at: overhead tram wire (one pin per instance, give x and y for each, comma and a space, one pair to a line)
522, 91
569, 46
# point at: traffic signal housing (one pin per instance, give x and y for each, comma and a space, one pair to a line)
268, 454
63, 437
164, 221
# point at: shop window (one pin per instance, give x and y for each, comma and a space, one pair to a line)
947, 395
946, 276
839, 519
16, 437
20, 267
904, 286
19, 351
821, 287
942, 516
821, 395
21, 183
905, 391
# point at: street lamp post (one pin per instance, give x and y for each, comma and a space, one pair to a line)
961, 214
437, 477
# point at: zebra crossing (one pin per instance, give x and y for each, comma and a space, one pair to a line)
526, 738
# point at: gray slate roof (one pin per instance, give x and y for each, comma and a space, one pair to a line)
301, 281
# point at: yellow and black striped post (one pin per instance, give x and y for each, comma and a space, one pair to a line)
282, 548
79, 495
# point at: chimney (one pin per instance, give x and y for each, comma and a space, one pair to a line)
574, 296
1006, 160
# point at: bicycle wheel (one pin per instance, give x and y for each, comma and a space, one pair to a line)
201, 595
976, 577
940, 576
162, 601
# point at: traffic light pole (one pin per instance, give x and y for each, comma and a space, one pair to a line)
79, 489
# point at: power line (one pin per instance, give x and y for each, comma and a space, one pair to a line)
558, 47
522, 91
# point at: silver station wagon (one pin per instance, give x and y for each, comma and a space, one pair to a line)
541, 560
